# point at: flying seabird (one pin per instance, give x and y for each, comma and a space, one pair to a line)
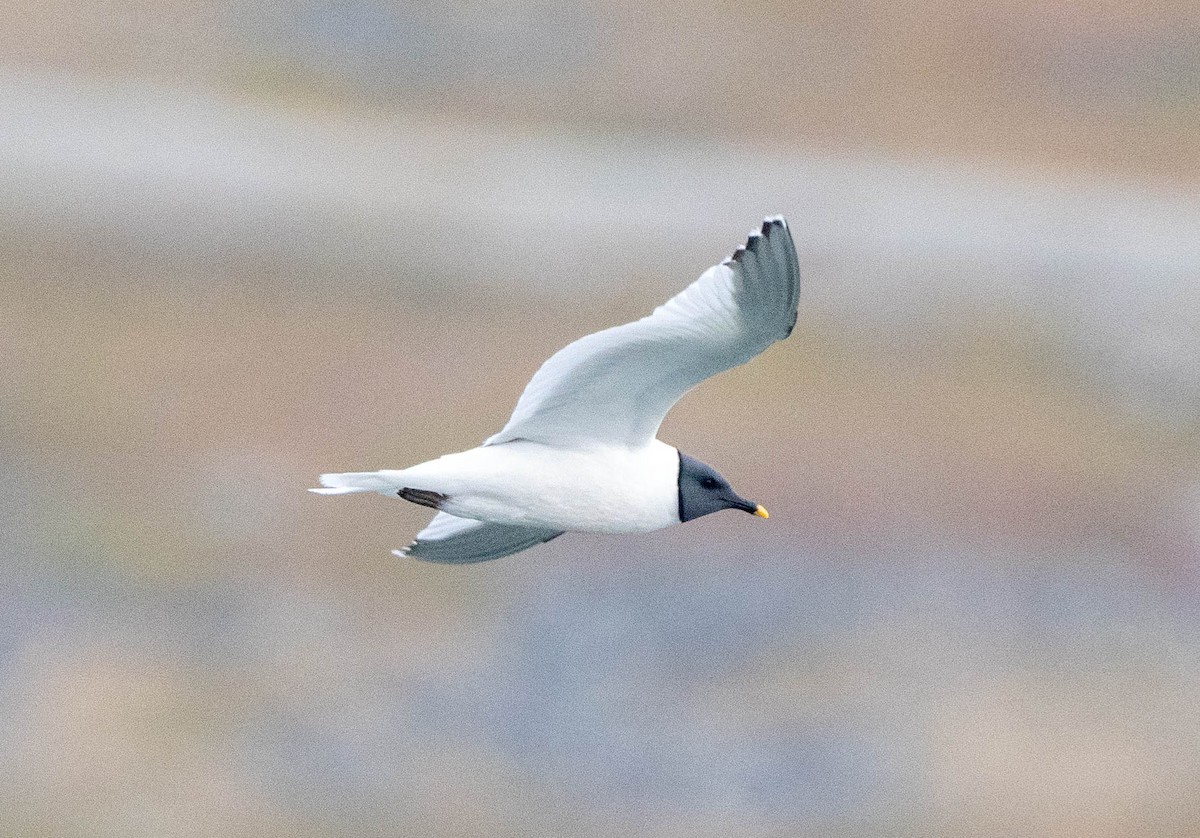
579, 453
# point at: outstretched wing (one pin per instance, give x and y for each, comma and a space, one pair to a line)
451, 540
617, 385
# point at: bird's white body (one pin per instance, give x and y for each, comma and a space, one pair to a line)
605, 488
580, 453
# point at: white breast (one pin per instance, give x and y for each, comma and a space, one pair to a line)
603, 489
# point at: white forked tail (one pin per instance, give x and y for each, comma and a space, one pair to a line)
351, 482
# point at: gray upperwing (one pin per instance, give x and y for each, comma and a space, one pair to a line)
451, 540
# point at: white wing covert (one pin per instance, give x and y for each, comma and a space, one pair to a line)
451, 540
616, 386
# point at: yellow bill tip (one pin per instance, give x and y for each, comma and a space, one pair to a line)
761, 512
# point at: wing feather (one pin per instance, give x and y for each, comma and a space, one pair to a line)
451, 540
617, 385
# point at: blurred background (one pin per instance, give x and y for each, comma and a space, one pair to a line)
243, 243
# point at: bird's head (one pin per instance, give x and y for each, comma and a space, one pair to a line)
702, 490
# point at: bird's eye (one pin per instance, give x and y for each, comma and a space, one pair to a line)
708, 483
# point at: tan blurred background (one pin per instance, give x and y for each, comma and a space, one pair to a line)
244, 243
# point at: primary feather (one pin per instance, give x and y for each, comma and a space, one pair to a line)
616, 386
451, 540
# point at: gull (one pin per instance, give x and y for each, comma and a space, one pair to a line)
580, 452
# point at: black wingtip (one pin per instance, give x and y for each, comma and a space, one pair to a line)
772, 223
769, 225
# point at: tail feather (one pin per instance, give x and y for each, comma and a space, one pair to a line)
352, 482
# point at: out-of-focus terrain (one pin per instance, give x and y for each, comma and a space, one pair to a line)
242, 244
